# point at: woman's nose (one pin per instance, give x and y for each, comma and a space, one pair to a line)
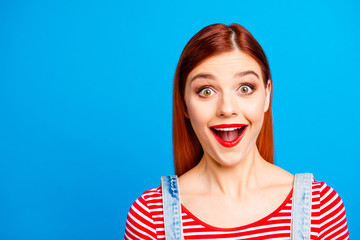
227, 106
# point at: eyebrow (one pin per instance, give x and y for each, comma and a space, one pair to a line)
249, 72
212, 77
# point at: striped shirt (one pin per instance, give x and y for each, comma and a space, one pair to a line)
328, 219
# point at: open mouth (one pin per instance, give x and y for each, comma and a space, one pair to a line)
229, 135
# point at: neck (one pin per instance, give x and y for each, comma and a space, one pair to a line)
234, 180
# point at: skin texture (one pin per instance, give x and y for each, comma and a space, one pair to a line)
235, 186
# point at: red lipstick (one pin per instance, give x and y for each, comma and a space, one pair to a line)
228, 135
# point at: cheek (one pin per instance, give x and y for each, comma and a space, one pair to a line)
254, 112
200, 116
198, 113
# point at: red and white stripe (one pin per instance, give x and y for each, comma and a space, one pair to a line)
328, 220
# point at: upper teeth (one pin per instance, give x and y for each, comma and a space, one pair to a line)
227, 129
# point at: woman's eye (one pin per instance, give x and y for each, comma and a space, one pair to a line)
206, 92
245, 89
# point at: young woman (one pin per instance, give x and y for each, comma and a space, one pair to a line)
223, 151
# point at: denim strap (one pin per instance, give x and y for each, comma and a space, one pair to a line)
301, 207
171, 208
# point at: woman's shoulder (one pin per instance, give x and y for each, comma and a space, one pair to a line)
150, 197
152, 193
329, 210
322, 188
326, 194
143, 214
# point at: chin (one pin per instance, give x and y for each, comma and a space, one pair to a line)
229, 159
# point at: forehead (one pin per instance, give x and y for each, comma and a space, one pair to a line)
227, 64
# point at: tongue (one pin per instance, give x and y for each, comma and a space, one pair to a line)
228, 135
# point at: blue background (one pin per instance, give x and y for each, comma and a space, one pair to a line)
86, 96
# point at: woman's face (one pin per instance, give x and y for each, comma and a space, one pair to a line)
226, 99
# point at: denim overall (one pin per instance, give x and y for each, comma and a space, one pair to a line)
300, 213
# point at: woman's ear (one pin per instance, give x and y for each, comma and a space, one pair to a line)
186, 113
268, 90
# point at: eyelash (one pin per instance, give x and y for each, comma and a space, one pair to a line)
249, 85
202, 89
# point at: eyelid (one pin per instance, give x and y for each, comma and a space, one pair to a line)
203, 88
250, 85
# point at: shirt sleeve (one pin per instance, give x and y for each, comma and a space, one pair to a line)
333, 224
139, 224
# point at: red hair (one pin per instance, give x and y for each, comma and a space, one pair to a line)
212, 40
